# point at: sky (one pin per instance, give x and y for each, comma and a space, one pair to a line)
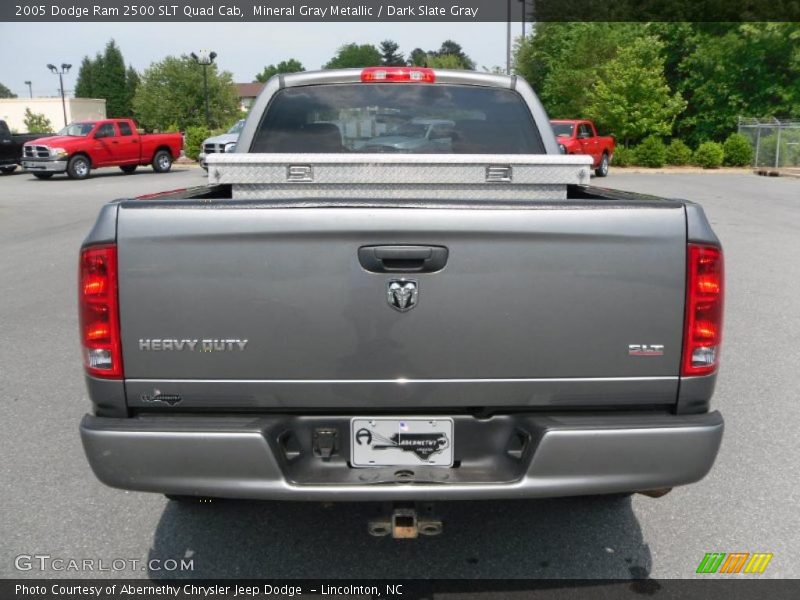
242, 48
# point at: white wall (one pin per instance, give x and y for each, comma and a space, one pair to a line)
12, 110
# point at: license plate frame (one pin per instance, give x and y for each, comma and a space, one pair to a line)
401, 442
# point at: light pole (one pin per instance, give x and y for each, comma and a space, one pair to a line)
508, 37
30, 88
64, 70
205, 59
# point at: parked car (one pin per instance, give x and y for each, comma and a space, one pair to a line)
81, 147
416, 135
11, 147
347, 326
580, 137
220, 143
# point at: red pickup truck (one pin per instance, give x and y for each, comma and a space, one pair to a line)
580, 137
81, 147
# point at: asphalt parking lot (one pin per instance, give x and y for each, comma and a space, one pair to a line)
52, 504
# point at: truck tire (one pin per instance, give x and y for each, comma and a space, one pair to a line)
43, 175
79, 167
8, 169
162, 161
128, 169
602, 168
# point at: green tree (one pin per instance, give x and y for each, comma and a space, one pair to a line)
632, 98
709, 155
677, 154
450, 55
564, 61
171, 92
110, 81
417, 58
106, 77
451, 48
354, 55
738, 151
445, 61
390, 57
285, 66
651, 153
750, 69
194, 140
5, 92
37, 122
84, 84
131, 83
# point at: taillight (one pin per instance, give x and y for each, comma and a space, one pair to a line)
704, 297
99, 312
397, 74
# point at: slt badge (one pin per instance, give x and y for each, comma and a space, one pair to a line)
402, 294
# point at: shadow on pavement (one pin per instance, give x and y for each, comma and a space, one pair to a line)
592, 537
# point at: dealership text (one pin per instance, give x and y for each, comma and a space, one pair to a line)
202, 591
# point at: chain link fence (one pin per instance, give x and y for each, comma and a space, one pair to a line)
775, 143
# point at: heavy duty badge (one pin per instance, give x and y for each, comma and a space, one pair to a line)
402, 294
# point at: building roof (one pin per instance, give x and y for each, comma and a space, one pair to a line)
249, 90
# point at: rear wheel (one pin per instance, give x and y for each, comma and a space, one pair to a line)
43, 175
162, 161
128, 169
8, 169
602, 168
79, 167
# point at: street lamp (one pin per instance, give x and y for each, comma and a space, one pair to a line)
508, 37
64, 70
205, 58
30, 88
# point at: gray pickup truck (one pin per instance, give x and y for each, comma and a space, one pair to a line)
321, 323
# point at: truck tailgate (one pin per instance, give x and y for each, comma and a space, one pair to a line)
534, 307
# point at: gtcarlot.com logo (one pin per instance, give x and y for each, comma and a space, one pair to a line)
46, 562
734, 563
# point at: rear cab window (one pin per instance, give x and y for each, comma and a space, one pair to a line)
397, 118
124, 128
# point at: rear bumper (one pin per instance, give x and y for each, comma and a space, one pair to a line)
45, 165
249, 457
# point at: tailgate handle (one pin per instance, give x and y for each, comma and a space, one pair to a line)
402, 259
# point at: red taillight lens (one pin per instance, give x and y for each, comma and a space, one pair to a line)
398, 74
99, 312
704, 298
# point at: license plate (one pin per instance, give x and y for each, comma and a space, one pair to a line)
401, 442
